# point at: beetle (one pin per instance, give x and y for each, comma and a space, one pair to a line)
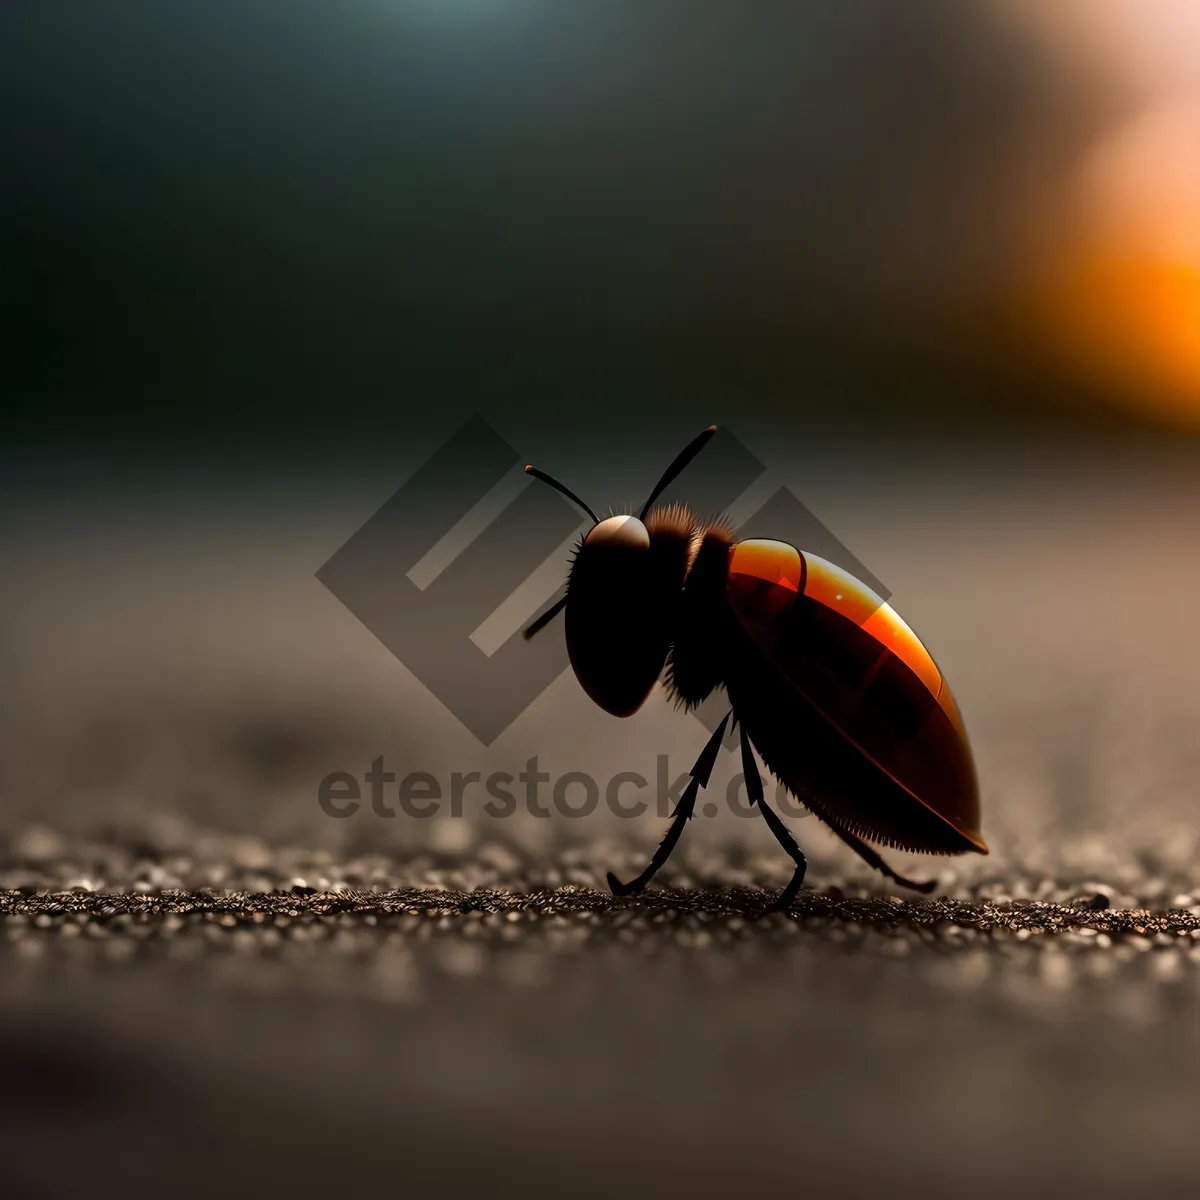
839, 697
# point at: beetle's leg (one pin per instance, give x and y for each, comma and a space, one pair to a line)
872, 859
681, 815
754, 792
683, 810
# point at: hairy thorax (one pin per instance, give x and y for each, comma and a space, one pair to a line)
695, 665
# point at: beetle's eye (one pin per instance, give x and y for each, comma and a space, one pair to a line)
624, 532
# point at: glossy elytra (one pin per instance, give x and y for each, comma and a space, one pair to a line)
836, 693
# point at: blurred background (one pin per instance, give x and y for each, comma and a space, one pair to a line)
297, 220
937, 266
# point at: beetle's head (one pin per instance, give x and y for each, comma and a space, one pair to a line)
615, 649
625, 583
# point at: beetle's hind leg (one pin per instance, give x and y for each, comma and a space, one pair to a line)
873, 860
683, 812
754, 792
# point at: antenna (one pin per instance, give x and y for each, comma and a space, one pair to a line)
684, 457
546, 617
559, 487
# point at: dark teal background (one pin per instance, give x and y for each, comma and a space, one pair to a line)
292, 222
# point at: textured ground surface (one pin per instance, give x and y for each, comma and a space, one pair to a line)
208, 985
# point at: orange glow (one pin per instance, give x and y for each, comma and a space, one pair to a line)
1133, 326
1115, 289
1122, 303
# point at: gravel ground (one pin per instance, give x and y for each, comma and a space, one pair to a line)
206, 985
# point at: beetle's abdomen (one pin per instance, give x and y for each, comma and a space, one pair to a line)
853, 658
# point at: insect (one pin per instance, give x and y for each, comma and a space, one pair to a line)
836, 693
